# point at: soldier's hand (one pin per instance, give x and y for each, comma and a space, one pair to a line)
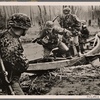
69, 28
71, 39
79, 33
25, 59
39, 41
27, 64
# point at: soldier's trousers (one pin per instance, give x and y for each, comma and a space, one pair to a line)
75, 45
61, 46
75, 40
14, 82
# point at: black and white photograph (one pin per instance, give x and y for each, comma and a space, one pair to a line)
50, 49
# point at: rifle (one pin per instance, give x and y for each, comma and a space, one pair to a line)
55, 18
5, 76
35, 40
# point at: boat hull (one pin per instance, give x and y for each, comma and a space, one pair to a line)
63, 62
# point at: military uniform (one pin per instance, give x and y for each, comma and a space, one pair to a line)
51, 40
11, 50
71, 23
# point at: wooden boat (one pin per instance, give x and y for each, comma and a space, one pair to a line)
40, 65
96, 47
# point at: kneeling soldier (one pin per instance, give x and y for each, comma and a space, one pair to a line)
49, 39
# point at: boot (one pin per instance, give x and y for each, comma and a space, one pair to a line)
77, 48
68, 54
82, 48
71, 51
78, 51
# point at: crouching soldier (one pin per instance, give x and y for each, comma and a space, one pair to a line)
11, 50
49, 38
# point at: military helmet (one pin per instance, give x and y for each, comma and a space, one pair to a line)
83, 22
19, 20
66, 9
49, 24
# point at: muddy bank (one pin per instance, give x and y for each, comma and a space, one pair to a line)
75, 80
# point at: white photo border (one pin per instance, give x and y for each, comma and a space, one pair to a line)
49, 97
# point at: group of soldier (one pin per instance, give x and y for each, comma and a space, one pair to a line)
74, 34
11, 50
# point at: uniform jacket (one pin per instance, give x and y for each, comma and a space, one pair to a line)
52, 38
70, 22
11, 51
85, 32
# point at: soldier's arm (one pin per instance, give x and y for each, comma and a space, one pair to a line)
59, 30
77, 23
11, 55
62, 31
40, 37
60, 20
42, 34
11, 52
19, 61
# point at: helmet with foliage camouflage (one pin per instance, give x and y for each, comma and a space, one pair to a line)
49, 24
19, 20
66, 10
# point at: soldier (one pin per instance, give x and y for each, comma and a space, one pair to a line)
11, 49
49, 38
84, 36
71, 22
66, 38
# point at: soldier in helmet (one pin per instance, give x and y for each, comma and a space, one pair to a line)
84, 35
49, 38
11, 49
72, 23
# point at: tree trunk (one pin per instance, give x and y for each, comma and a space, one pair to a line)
41, 19
50, 12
